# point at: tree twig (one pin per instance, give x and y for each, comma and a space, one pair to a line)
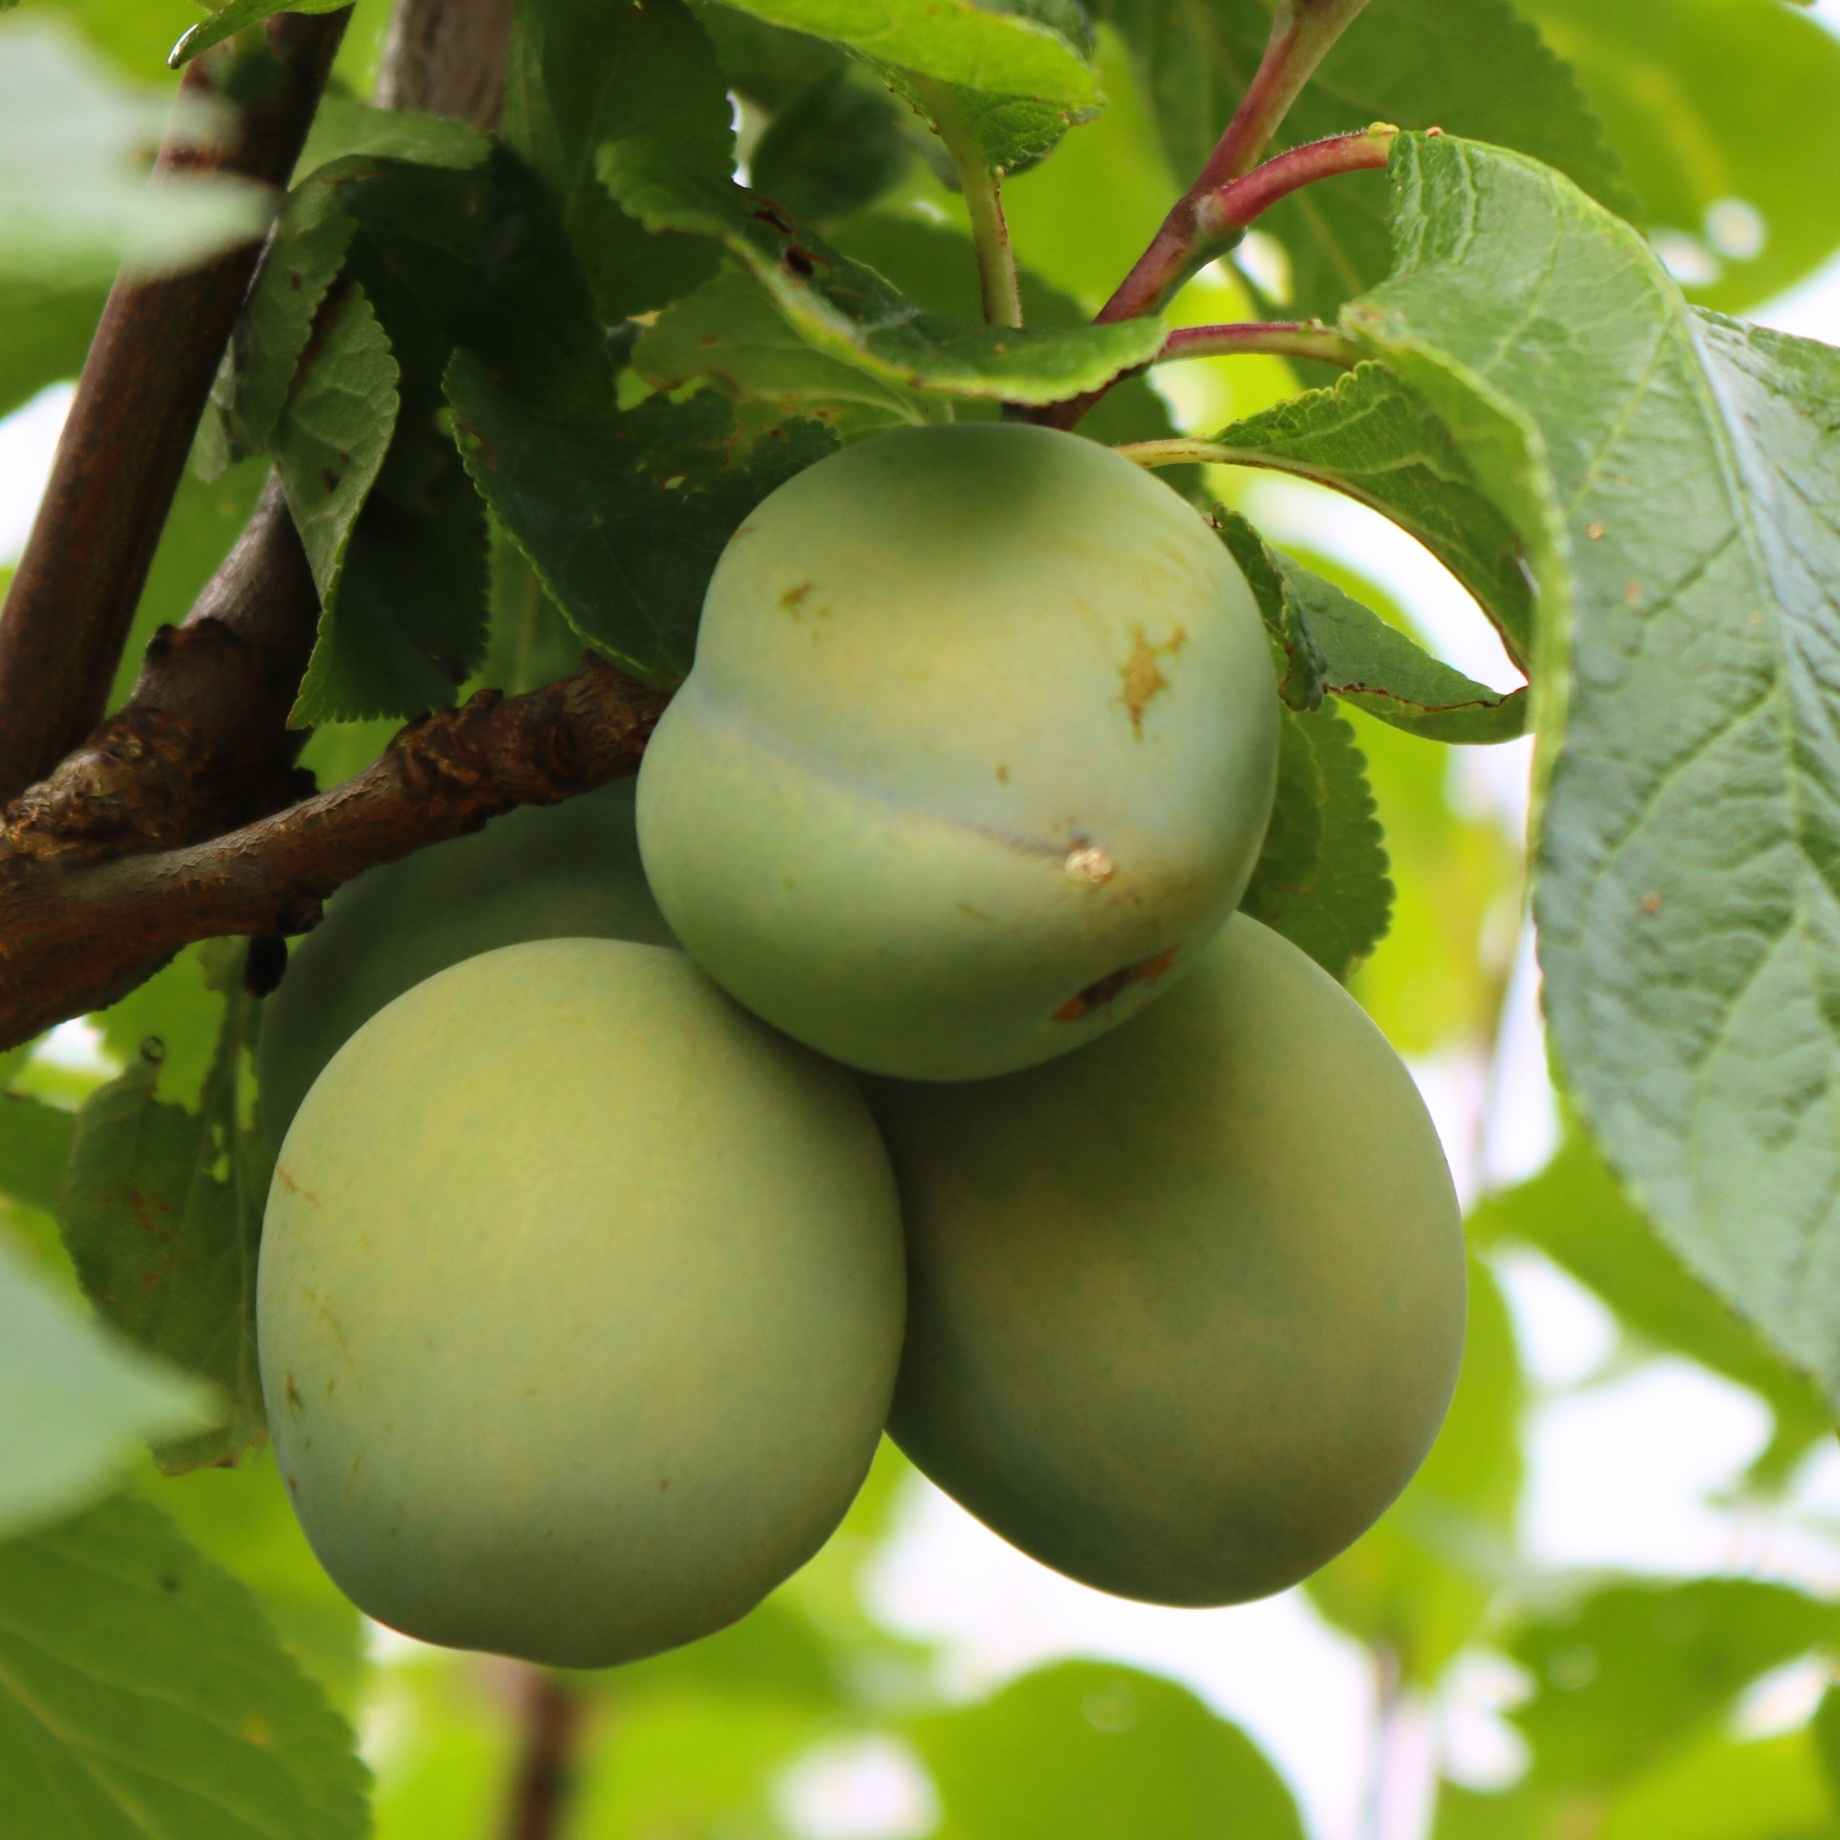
73, 928
1281, 338
1302, 35
543, 1782
448, 58
130, 427
1215, 220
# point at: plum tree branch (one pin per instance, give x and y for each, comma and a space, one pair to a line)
80, 921
130, 427
543, 1781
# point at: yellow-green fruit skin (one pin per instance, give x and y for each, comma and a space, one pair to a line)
579, 1304
1185, 1309
979, 745
540, 872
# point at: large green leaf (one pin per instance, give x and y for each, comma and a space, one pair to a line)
991, 49
589, 74
73, 200
1723, 113
1575, 1212
1477, 70
847, 310
1673, 475
1087, 1747
45, 330
161, 1209
143, 1697
74, 1400
1633, 1671
1374, 441
622, 517
234, 16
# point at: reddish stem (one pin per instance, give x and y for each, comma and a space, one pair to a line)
1283, 338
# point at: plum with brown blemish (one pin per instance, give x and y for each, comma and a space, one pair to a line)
991, 803
1185, 1309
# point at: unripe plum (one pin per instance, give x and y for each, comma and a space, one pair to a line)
539, 872
579, 1304
1185, 1309
979, 745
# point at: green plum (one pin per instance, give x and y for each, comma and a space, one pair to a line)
579, 1305
539, 872
978, 747
1185, 1309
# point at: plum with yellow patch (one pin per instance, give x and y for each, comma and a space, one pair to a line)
1185, 1310
979, 745
579, 1304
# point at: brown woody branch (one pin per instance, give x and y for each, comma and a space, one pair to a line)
130, 428
75, 932
446, 57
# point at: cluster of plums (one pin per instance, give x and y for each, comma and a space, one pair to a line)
616, 1214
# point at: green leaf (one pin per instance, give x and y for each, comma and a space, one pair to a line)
74, 1400
234, 16
142, 1695
411, 616
343, 126
834, 148
1825, 1727
1131, 1754
588, 75
1421, 1582
329, 450
1722, 1789
1372, 439
243, 1519
302, 260
1575, 1212
161, 1210
74, 204
1722, 112
847, 310
45, 329
1477, 70
1673, 474
173, 1020
1636, 1670
730, 333
622, 517
986, 49
1333, 901
1386, 672
35, 1141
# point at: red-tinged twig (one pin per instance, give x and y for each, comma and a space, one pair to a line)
1301, 36
130, 427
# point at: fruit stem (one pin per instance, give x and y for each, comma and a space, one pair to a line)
541, 1789
981, 186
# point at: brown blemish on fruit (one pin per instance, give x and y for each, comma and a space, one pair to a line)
1002, 773
1143, 679
293, 1393
285, 1177
1103, 990
794, 597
